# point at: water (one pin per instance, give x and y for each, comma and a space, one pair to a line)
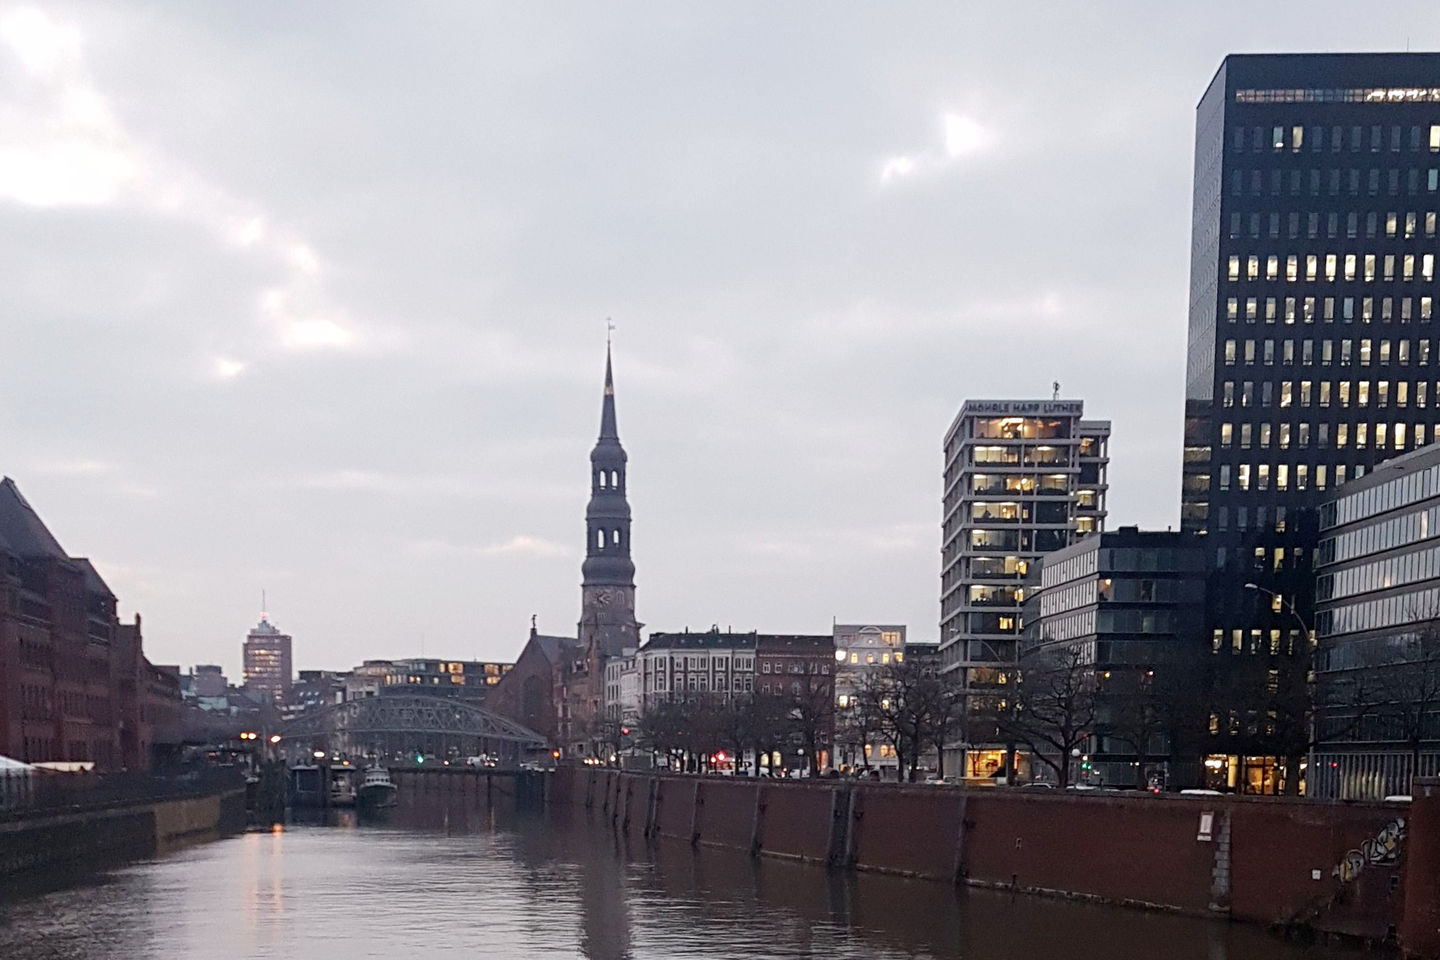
456, 882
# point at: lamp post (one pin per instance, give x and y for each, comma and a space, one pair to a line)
1309, 671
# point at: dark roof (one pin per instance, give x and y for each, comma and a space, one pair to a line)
93, 581
555, 648
708, 639
21, 528
795, 643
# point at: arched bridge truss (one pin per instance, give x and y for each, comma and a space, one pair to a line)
418, 715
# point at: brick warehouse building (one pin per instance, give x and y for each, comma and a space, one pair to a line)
74, 681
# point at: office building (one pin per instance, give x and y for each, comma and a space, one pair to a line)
1311, 334
1377, 626
1022, 478
860, 650
1128, 603
268, 670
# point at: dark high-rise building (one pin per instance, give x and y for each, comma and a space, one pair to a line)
1312, 295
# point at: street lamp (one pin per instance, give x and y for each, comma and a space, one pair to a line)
1286, 604
1309, 672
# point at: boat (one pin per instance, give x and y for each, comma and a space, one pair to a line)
342, 786
377, 790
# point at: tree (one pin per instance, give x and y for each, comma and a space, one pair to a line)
905, 703
1055, 709
1405, 688
811, 714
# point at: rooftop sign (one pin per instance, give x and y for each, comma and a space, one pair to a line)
1025, 408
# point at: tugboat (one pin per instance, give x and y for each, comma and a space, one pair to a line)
377, 790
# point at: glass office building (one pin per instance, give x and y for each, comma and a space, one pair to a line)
1377, 624
1312, 326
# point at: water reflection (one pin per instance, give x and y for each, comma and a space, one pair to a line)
459, 879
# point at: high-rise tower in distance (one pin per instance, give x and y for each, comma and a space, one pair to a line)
1022, 478
269, 671
1312, 327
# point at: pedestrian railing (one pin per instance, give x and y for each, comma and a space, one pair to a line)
32, 792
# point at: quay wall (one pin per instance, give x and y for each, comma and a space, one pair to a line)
113, 834
1278, 861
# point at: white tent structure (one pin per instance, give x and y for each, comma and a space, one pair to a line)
15, 783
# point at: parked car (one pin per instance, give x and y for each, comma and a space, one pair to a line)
1037, 785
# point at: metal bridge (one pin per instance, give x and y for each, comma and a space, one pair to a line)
410, 723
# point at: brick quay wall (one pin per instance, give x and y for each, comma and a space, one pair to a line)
102, 835
1339, 868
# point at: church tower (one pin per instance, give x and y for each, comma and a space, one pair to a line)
607, 605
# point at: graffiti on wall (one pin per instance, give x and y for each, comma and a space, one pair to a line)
1382, 848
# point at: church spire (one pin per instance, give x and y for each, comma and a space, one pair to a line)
607, 409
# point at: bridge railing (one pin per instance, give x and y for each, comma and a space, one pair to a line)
30, 793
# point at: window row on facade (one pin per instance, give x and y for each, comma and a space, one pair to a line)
1410, 488
1283, 436
1416, 606
1309, 310
1330, 267
1361, 351
1411, 527
1341, 394
1334, 182
1380, 574
1285, 476
1336, 138
1397, 225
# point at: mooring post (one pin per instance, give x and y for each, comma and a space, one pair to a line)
1420, 922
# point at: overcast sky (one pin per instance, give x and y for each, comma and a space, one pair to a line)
312, 297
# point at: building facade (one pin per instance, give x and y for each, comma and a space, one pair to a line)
1377, 626
1311, 334
1128, 604
269, 670
74, 681
676, 666
527, 693
468, 679
1022, 478
860, 650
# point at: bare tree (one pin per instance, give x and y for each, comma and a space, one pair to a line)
903, 700
811, 713
1055, 710
1409, 688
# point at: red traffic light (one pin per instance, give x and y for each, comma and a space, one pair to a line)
624, 731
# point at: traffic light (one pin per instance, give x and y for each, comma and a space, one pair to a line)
624, 731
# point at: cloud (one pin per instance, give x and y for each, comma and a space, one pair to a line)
422, 485
519, 545
73, 468
62, 145
228, 369
960, 136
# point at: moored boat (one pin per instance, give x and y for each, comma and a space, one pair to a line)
377, 789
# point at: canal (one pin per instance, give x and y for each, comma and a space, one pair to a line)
452, 881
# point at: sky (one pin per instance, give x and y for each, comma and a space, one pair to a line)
311, 299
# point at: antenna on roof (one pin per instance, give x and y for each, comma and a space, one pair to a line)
1056, 387
264, 606
609, 330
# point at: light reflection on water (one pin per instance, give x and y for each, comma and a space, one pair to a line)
456, 881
